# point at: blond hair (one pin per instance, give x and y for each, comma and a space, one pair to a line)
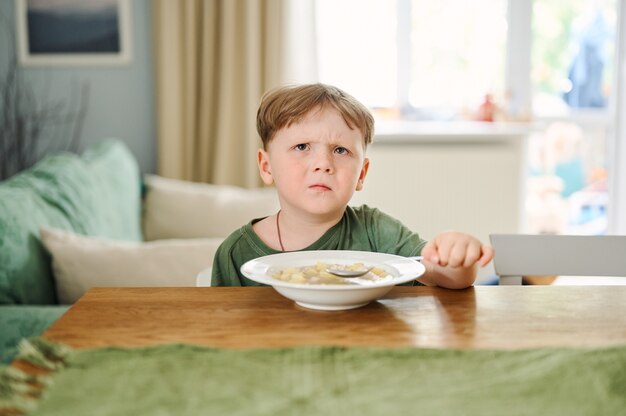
289, 104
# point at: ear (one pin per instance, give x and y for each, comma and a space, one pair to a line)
265, 170
363, 174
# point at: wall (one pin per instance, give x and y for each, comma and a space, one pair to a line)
121, 97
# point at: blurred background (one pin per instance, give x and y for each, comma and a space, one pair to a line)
492, 115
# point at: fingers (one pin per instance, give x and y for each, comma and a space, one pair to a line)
454, 255
472, 255
429, 252
487, 255
457, 250
458, 253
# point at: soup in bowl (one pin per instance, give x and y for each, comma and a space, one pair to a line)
303, 276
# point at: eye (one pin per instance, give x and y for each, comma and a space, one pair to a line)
302, 147
341, 150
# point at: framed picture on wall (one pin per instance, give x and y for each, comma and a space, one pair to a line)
73, 32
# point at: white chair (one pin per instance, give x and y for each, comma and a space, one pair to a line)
203, 279
518, 255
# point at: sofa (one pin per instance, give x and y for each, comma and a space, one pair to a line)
72, 222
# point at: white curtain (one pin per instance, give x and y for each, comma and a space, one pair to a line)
214, 59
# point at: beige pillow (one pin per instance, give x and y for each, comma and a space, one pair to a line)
81, 262
182, 209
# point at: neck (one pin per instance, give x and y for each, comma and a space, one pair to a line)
296, 233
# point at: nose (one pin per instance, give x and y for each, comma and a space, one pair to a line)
323, 162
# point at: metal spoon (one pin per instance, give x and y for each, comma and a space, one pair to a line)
357, 273
348, 273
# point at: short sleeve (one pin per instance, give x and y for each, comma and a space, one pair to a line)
389, 235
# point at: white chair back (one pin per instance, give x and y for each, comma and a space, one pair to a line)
518, 255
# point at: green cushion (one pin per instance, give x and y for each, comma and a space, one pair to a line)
116, 193
24, 321
97, 194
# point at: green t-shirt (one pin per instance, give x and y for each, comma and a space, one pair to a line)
361, 228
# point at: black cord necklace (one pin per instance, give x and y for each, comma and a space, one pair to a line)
280, 240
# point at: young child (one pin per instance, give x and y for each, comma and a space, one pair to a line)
314, 142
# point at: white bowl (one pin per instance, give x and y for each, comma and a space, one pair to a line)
332, 297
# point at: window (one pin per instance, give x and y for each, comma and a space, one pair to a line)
572, 71
428, 60
549, 61
438, 59
457, 52
573, 46
358, 48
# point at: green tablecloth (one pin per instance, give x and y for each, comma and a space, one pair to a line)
190, 380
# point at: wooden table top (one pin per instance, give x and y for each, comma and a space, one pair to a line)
505, 317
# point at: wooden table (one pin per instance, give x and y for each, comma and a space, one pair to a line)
509, 317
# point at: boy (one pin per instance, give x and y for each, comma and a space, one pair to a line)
314, 142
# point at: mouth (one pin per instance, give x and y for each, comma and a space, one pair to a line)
320, 187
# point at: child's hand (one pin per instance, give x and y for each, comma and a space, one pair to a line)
456, 249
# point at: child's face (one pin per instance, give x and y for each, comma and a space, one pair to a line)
316, 164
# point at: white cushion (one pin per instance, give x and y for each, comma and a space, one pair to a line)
183, 209
80, 263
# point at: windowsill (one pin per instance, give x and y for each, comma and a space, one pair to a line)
448, 131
